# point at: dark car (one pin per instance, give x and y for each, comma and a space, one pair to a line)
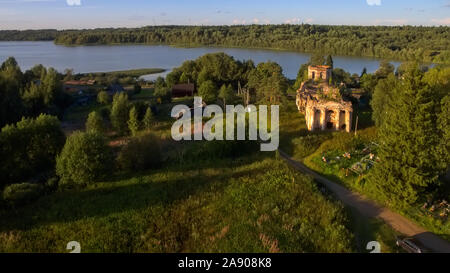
411, 245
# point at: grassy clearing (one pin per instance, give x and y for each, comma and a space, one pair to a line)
237, 207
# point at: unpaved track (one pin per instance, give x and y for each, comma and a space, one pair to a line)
370, 209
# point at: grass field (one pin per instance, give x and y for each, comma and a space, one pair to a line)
250, 204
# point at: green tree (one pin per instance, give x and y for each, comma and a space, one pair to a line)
11, 104
85, 158
268, 82
133, 121
29, 147
317, 59
203, 76
329, 61
302, 76
208, 92
410, 142
385, 69
95, 123
120, 113
226, 94
148, 119
103, 97
382, 97
184, 78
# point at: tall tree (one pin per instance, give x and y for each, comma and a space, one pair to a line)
133, 121
208, 92
148, 119
120, 113
329, 61
410, 142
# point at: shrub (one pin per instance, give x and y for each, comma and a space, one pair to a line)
19, 194
29, 148
141, 153
85, 158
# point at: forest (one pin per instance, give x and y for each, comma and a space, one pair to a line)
413, 43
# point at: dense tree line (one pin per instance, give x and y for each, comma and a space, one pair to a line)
28, 35
401, 42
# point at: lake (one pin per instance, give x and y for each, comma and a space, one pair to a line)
105, 58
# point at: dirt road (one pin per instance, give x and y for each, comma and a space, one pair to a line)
371, 209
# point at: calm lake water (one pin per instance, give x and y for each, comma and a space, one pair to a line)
84, 59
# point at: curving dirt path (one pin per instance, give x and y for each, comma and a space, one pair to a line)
369, 208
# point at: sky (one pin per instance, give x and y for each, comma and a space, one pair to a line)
79, 14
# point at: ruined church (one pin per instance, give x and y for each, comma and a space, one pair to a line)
322, 103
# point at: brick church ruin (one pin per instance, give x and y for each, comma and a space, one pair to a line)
322, 103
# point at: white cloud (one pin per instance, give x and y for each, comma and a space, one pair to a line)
444, 21
73, 2
391, 22
292, 21
239, 22
374, 2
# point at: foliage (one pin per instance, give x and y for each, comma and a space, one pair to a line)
148, 120
226, 94
208, 92
19, 194
95, 123
85, 158
103, 97
141, 153
133, 121
268, 82
120, 113
411, 144
29, 147
162, 90
381, 98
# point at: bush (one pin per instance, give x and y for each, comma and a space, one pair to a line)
29, 148
85, 158
307, 145
19, 194
141, 153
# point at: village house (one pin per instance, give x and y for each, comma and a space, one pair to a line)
183, 90
322, 103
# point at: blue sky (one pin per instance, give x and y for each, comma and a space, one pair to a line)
65, 14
